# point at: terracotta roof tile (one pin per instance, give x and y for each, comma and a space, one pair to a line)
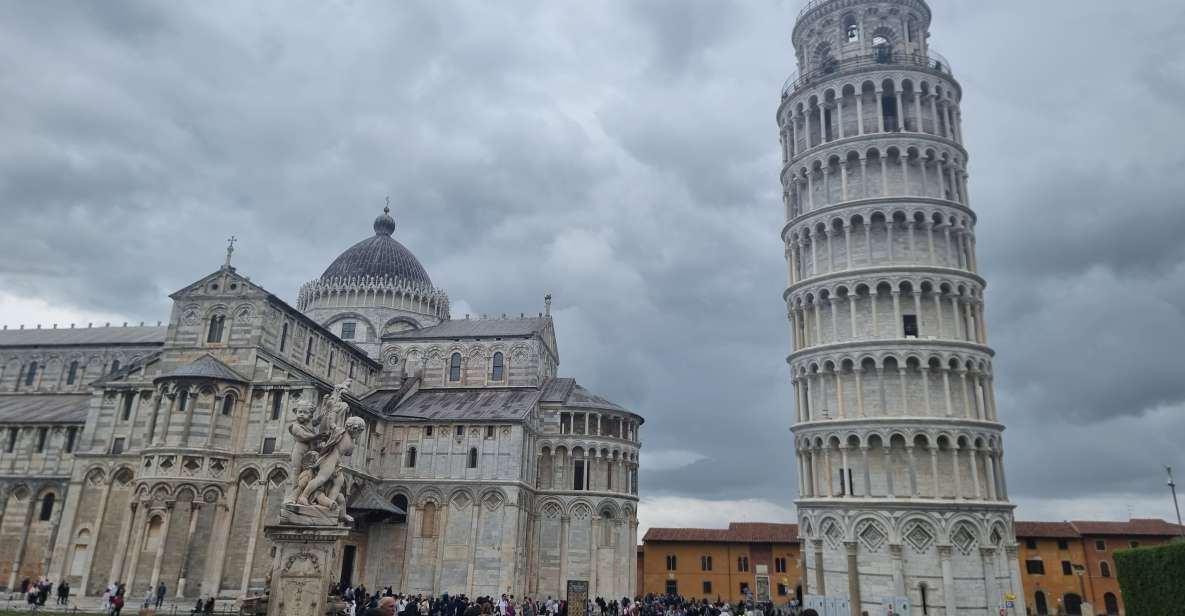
737, 532
1134, 526
1045, 530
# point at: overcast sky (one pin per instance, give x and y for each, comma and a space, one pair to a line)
622, 155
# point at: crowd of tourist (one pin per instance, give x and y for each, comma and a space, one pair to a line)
361, 602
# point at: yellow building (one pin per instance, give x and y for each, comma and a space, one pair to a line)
1062, 563
761, 559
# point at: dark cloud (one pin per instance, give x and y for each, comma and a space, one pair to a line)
623, 156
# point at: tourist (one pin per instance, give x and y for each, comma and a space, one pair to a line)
117, 602
160, 594
210, 605
149, 597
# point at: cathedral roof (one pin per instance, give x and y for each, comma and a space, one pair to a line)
205, 367
475, 328
44, 409
462, 404
70, 336
378, 256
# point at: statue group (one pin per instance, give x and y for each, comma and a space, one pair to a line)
323, 436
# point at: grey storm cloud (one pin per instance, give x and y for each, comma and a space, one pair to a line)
622, 155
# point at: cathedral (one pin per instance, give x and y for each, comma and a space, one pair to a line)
158, 454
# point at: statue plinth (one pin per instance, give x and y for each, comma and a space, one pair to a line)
303, 569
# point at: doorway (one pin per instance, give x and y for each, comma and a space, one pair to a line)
347, 576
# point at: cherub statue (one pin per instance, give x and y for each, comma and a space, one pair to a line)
334, 408
326, 467
303, 433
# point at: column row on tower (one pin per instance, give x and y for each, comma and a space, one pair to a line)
934, 463
862, 105
878, 237
889, 306
919, 383
874, 170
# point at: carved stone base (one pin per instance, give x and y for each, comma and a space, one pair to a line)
303, 569
307, 515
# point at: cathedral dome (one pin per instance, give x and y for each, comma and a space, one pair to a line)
379, 256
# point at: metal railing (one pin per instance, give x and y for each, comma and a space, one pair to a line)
932, 60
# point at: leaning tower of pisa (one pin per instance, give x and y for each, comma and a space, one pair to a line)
902, 495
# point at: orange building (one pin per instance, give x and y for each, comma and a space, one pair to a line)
761, 559
1062, 563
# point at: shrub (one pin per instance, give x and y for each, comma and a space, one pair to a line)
1152, 579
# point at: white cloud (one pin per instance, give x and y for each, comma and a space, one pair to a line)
669, 459
32, 311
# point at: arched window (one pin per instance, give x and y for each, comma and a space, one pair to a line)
215, 332
81, 553
925, 600
114, 366
824, 60
284, 338
400, 501
228, 404
607, 526
851, 28
47, 507
498, 367
911, 28
472, 457
182, 400
454, 368
1040, 603
411, 457
30, 373
72, 374
428, 524
882, 47
1104, 569
1111, 603
152, 538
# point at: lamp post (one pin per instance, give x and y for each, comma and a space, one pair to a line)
1176, 505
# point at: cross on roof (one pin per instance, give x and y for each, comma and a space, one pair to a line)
230, 248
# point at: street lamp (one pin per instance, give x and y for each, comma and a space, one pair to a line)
1177, 506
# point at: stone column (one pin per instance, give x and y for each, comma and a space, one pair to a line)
1016, 586
137, 544
565, 523
949, 595
219, 540
859, 372
62, 552
19, 555
194, 507
55, 525
913, 473
256, 523
867, 471
820, 579
853, 578
898, 566
160, 547
991, 595
860, 113
954, 451
887, 450
121, 547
